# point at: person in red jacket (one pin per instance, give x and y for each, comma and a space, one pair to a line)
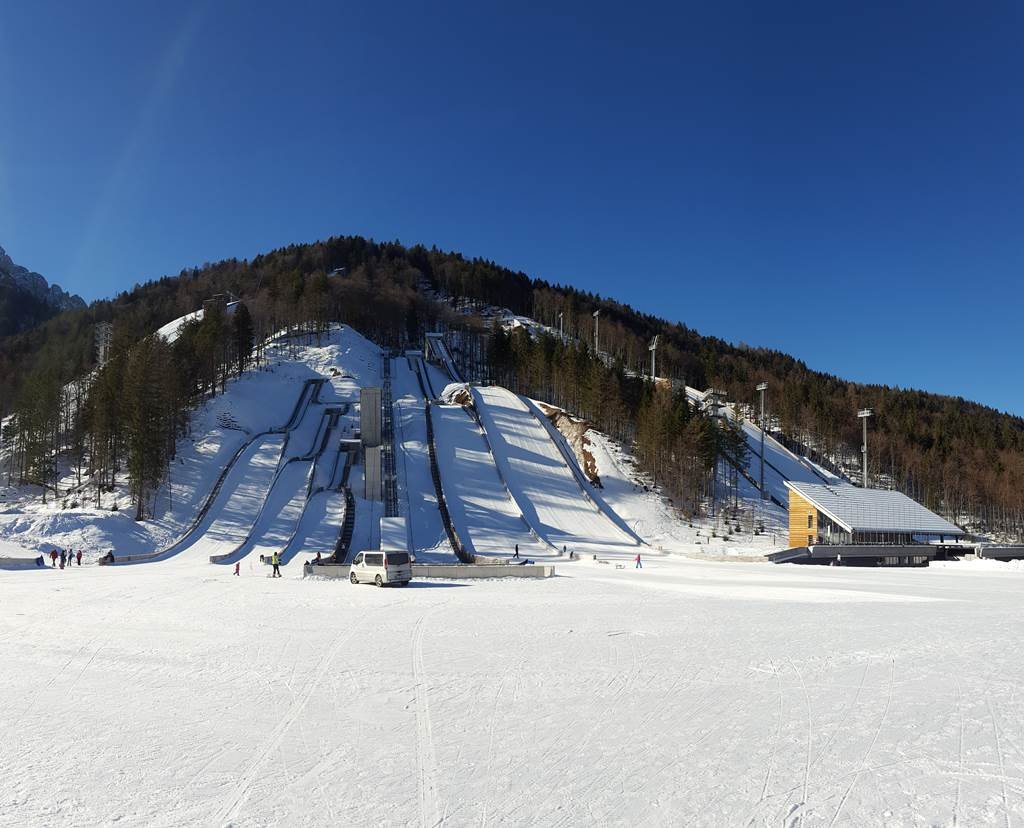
78, 557
638, 564
53, 557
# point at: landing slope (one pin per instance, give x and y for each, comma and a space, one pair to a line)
544, 487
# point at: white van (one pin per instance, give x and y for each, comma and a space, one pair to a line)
384, 567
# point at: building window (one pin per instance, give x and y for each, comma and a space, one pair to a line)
810, 540
810, 521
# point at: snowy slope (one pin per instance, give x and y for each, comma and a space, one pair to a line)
542, 484
486, 518
258, 402
652, 517
236, 506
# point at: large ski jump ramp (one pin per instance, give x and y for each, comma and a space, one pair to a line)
487, 519
541, 482
412, 464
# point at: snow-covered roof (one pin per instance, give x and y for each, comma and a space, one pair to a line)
873, 510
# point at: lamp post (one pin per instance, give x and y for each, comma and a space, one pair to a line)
653, 348
761, 388
596, 314
863, 414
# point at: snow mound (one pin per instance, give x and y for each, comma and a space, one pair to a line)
457, 393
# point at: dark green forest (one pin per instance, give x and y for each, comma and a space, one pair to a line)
958, 457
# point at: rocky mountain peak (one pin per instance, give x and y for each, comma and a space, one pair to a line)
21, 278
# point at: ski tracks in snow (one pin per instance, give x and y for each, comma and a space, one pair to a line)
231, 805
426, 757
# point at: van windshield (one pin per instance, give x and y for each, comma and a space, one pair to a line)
398, 558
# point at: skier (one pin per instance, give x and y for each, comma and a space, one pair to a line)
638, 564
78, 557
517, 551
237, 565
276, 561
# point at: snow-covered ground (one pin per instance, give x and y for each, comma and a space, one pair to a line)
687, 693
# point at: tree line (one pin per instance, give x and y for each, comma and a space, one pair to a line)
959, 458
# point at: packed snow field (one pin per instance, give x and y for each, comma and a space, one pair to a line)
685, 693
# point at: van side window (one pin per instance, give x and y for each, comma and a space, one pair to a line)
373, 559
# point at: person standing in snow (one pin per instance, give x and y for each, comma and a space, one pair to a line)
63, 558
237, 565
78, 557
638, 564
53, 557
517, 551
276, 561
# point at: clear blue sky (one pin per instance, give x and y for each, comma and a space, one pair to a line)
842, 183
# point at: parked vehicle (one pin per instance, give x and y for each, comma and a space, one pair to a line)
380, 568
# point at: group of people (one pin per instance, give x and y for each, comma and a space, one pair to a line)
66, 558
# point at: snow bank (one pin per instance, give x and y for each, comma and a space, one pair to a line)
457, 393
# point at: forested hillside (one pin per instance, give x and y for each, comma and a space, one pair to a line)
958, 457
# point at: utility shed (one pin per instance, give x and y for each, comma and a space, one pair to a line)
848, 515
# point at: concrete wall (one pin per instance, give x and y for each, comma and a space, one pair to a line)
21, 563
458, 571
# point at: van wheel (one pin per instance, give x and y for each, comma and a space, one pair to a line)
378, 581
352, 578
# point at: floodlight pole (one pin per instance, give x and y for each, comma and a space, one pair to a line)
596, 314
863, 414
653, 348
762, 387
561, 330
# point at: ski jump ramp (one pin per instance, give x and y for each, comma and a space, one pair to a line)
488, 520
548, 493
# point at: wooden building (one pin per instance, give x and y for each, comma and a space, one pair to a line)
845, 514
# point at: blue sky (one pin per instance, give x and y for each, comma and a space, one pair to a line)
843, 183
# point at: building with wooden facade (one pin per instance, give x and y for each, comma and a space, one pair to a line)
830, 522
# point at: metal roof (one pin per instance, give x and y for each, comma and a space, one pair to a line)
873, 510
